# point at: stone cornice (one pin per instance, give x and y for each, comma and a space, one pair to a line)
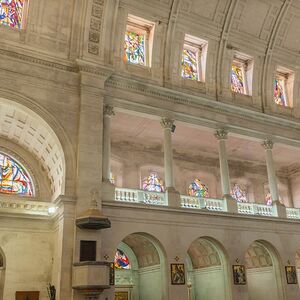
174, 97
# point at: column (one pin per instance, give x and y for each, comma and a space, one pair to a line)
107, 114
167, 125
172, 195
278, 209
268, 145
221, 135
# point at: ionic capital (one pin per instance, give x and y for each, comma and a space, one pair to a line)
167, 123
108, 110
221, 134
268, 144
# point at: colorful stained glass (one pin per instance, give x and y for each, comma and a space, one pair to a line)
238, 193
11, 13
153, 183
14, 179
279, 92
189, 64
268, 199
237, 79
121, 260
134, 48
198, 189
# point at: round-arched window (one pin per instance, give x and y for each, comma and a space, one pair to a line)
14, 179
153, 183
239, 193
198, 189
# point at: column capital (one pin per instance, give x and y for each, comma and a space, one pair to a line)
108, 110
167, 123
267, 144
221, 134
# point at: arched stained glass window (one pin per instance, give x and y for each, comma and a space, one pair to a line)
268, 199
153, 183
14, 179
239, 193
121, 260
198, 189
11, 13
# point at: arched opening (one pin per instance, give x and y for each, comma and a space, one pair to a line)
140, 269
263, 272
208, 276
2, 273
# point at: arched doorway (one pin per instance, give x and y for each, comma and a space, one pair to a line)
208, 272
2, 273
140, 269
263, 272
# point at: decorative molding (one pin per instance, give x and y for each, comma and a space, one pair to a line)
108, 111
167, 123
221, 134
95, 27
268, 144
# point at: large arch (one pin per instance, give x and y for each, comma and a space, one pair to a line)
263, 269
146, 277
208, 270
26, 123
2, 272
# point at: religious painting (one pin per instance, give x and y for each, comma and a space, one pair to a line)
27, 295
121, 295
291, 275
239, 274
112, 273
177, 274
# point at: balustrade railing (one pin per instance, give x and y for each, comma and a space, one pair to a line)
140, 196
255, 209
293, 213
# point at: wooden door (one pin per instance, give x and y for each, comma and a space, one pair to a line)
27, 295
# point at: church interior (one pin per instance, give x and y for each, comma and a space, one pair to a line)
149, 150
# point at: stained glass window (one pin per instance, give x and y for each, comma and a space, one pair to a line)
237, 79
153, 183
198, 189
239, 193
279, 92
121, 260
268, 199
11, 13
134, 48
189, 64
14, 179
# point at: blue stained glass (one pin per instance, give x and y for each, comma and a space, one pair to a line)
198, 189
279, 93
238, 193
121, 260
237, 80
134, 48
14, 179
153, 183
11, 13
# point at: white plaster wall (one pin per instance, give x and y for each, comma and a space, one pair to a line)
150, 283
262, 284
28, 252
209, 284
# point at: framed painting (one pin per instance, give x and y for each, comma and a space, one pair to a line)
177, 274
291, 275
27, 295
121, 295
239, 274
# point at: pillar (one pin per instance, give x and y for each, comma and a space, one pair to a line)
221, 135
107, 114
172, 195
278, 209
